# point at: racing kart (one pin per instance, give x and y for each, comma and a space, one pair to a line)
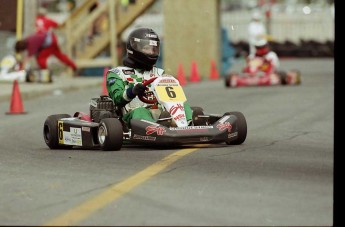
103, 128
259, 72
11, 70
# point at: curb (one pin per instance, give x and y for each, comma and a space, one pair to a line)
30, 91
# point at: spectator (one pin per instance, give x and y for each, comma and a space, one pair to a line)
42, 45
228, 53
256, 31
44, 23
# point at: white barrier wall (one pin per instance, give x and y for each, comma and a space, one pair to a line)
318, 26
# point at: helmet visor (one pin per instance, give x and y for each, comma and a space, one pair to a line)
146, 46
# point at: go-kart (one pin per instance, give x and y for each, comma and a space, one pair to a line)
11, 70
259, 72
103, 127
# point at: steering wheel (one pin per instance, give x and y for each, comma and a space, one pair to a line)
145, 97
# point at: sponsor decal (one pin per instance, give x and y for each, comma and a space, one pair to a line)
178, 117
167, 81
111, 81
204, 139
139, 137
151, 35
85, 129
224, 126
167, 85
224, 118
232, 135
174, 109
60, 132
153, 43
115, 70
149, 95
73, 137
155, 129
128, 71
129, 79
191, 128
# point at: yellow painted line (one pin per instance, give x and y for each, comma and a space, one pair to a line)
90, 206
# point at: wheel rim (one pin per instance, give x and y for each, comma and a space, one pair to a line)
102, 133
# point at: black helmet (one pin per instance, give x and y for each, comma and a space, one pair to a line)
143, 48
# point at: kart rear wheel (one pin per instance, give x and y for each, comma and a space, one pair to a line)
228, 80
241, 126
50, 132
110, 134
197, 121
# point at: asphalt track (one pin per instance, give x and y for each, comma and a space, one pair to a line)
281, 176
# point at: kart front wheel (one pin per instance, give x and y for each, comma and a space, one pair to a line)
241, 128
227, 81
50, 131
110, 134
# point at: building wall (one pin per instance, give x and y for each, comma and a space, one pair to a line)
8, 12
191, 32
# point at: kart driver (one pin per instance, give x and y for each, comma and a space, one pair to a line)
124, 83
270, 59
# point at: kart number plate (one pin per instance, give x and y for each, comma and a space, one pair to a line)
170, 93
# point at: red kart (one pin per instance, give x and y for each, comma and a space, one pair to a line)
260, 72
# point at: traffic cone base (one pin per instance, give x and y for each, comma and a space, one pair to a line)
194, 75
214, 75
16, 106
180, 76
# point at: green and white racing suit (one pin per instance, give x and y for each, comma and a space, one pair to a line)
121, 78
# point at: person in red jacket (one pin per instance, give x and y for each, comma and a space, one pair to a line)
44, 23
42, 45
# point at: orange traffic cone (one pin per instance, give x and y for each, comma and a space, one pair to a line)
180, 75
16, 100
214, 75
104, 85
194, 75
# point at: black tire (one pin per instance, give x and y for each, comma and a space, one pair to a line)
50, 132
50, 77
298, 76
241, 124
283, 77
110, 134
197, 108
30, 76
228, 81
196, 120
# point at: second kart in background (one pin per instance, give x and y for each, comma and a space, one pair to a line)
263, 69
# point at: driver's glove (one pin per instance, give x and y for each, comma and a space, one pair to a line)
138, 89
